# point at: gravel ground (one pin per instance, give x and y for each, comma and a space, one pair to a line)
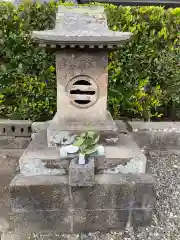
166, 219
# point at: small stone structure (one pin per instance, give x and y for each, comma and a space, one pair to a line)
112, 191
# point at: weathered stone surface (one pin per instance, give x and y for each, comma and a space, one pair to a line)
11, 142
81, 65
41, 220
38, 159
37, 236
103, 196
107, 128
81, 175
99, 220
39, 193
12, 153
141, 217
8, 168
39, 126
124, 157
144, 195
44, 203
88, 26
18, 128
156, 135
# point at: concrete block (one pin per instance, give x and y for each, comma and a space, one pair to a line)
12, 142
18, 128
81, 175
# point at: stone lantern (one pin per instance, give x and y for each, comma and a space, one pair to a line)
81, 39
112, 191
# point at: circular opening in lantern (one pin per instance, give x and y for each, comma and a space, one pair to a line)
82, 91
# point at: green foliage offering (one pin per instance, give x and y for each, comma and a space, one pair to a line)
144, 74
87, 142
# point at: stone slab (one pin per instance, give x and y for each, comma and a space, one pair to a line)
110, 204
81, 175
125, 156
37, 203
18, 128
109, 191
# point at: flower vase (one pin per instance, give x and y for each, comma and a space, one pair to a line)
82, 159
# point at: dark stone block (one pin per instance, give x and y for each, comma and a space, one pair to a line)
105, 196
99, 220
81, 175
50, 195
32, 221
141, 217
144, 195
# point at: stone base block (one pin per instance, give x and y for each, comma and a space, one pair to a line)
123, 157
81, 175
38, 159
48, 203
107, 129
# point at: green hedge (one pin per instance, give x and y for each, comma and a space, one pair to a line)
144, 76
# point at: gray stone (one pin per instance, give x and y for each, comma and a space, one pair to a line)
103, 196
18, 128
107, 127
156, 135
15, 153
13, 236
38, 159
141, 217
38, 202
11, 142
39, 126
100, 220
64, 138
124, 157
41, 220
39, 193
81, 175
85, 25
